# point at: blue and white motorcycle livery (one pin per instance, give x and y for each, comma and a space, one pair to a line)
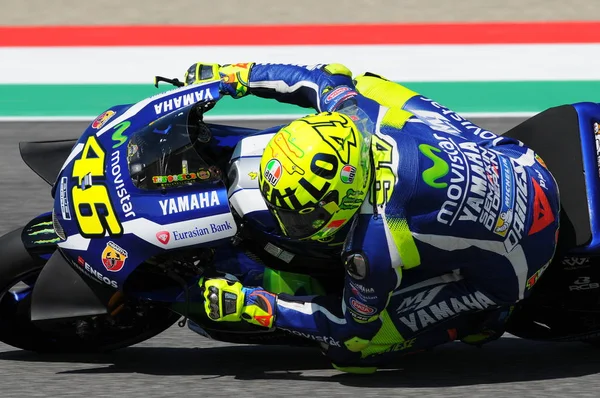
150, 199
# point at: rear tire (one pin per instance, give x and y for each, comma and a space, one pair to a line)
17, 330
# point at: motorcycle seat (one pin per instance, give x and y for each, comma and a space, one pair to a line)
555, 136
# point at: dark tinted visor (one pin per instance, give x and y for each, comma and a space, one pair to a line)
301, 224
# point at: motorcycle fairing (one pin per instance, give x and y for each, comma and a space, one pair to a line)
589, 120
148, 224
49, 299
46, 158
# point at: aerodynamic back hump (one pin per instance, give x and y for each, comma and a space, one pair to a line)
567, 138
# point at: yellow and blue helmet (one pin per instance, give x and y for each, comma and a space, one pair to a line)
315, 173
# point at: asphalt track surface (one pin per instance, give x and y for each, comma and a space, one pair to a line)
180, 363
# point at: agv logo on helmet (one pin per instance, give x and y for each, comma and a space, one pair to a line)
347, 174
273, 171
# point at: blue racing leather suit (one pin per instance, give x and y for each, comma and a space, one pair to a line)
459, 220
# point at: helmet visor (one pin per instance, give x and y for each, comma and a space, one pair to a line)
309, 221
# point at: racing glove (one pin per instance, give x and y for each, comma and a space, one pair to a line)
233, 77
227, 300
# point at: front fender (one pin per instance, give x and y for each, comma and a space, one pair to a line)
61, 292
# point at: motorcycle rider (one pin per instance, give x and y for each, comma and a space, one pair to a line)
446, 218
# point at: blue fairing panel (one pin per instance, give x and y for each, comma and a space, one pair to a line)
589, 126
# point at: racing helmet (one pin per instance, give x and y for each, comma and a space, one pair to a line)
315, 174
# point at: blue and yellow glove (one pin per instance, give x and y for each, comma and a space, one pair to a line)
234, 77
228, 300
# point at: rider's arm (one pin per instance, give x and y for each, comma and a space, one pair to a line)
321, 87
331, 87
353, 321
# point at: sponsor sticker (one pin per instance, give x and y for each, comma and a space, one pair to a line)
174, 103
113, 257
597, 138
481, 186
195, 201
421, 313
535, 277
347, 174
102, 119
273, 171
119, 184
351, 200
403, 345
321, 339
542, 211
583, 283
360, 288
358, 293
65, 210
339, 95
338, 91
507, 198
442, 119
201, 231
572, 263
118, 136
202, 174
359, 317
163, 237
90, 271
362, 308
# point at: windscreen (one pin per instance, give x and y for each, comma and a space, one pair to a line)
172, 151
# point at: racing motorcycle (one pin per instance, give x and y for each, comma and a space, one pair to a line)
150, 199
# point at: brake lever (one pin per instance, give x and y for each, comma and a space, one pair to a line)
175, 82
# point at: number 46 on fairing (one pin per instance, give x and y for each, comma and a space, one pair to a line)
94, 211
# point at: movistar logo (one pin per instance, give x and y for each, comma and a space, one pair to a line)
118, 134
439, 169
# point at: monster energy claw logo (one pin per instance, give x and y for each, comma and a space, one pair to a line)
352, 200
439, 169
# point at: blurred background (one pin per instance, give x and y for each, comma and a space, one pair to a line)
63, 62
177, 12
